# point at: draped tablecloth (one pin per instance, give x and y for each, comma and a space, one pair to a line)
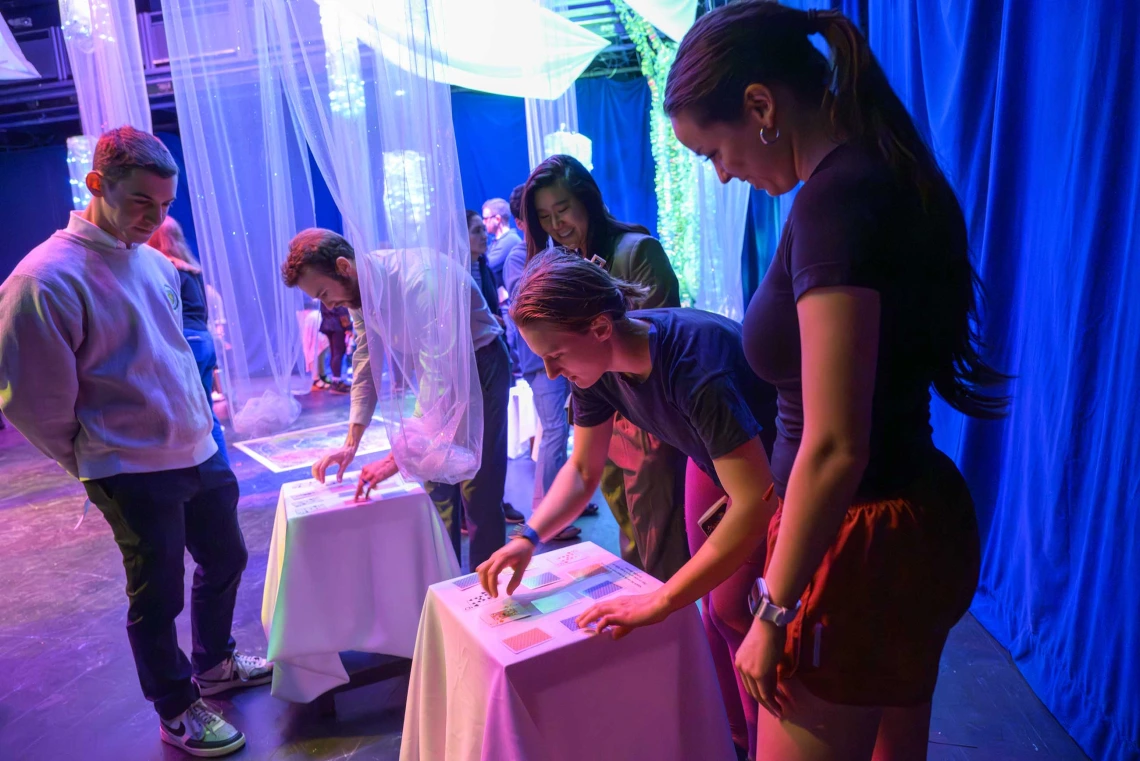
539, 689
344, 575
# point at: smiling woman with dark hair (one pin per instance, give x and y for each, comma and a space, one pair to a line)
644, 479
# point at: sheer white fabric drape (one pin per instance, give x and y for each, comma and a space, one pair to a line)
365, 83
13, 64
251, 192
509, 47
552, 122
673, 17
102, 39
722, 214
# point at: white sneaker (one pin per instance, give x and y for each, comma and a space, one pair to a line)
239, 671
201, 732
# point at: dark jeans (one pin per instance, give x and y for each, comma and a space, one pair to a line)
482, 496
206, 356
550, 402
155, 517
338, 344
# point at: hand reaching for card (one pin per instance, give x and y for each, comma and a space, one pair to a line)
375, 473
516, 555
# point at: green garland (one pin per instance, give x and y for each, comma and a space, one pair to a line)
675, 180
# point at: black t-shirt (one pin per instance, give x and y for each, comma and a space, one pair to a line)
700, 396
193, 288
854, 223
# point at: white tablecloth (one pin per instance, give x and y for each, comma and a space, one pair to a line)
522, 420
344, 575
572, 696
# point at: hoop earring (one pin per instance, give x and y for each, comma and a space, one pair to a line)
765, 140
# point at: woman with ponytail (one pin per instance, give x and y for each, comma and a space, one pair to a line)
869, 301
679, 374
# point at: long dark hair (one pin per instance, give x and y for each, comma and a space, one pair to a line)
562, 288
754, 41
604, 229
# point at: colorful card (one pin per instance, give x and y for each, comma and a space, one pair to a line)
527, 639
466, 582
539, 580
555, 602
572, 624
588, 571
601, 590
511, 610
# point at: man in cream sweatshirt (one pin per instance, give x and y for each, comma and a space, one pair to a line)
95, 372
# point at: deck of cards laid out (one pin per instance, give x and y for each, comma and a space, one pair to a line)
510, 610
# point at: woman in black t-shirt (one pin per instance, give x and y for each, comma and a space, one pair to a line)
868, 303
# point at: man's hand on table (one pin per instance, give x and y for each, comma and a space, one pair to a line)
516, 554
375, 473
342, 458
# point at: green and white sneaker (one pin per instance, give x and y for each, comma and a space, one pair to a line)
238, 671
201, 732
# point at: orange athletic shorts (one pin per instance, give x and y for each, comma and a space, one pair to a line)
900, 573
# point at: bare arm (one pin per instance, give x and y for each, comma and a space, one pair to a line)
575, 483
839, 338
746, 476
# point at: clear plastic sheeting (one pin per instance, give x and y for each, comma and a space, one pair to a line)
251, 192
365, 82
722, 214
102, 38
552, 121
434, 415
509, 47
673, 17
13, 64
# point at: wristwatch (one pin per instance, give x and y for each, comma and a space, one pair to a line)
762, 607
526, 532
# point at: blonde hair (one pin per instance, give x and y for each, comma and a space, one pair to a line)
171, 242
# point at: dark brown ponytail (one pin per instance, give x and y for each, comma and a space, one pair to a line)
757, 41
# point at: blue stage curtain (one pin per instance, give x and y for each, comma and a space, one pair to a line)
490, 134
35, 199
1033, 114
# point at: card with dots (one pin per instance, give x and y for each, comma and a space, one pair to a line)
526, 640
474, 602
538, 580
599, 591
466, 582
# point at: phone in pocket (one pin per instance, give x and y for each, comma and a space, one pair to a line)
713, 516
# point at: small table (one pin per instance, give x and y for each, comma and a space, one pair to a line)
537, 688
347, 576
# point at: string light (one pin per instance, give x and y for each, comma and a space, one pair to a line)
80, 152
342, 63
675, 179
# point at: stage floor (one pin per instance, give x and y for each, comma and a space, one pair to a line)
68, 688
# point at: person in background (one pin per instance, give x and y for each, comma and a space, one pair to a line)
170, 241
96, 373
682, 374
477, 239
323, 265
336, 325
551, 395
644, 476
869, 302
497, 220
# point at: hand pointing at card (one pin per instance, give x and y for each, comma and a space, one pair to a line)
515, 555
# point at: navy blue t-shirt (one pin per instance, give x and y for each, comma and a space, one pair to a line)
193, 288
700, 396
854, 223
